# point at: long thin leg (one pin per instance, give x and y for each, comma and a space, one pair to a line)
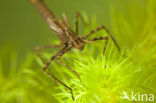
65, 19
58, 55
101, 38
58, 59
37, 49
100, 28
78, 15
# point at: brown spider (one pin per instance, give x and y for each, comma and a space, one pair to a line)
68, 38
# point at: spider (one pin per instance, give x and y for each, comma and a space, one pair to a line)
68, 38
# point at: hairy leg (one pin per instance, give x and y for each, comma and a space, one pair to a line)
58, 54
100, 38
78, 15
104, 28
37, 49
58, 59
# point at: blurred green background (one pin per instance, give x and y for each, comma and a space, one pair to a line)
132, 23
24, 28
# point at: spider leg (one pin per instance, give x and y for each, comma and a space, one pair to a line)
65, 19
100, 38
37, 49
104, 28
58, 59
78, 15
58, 55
